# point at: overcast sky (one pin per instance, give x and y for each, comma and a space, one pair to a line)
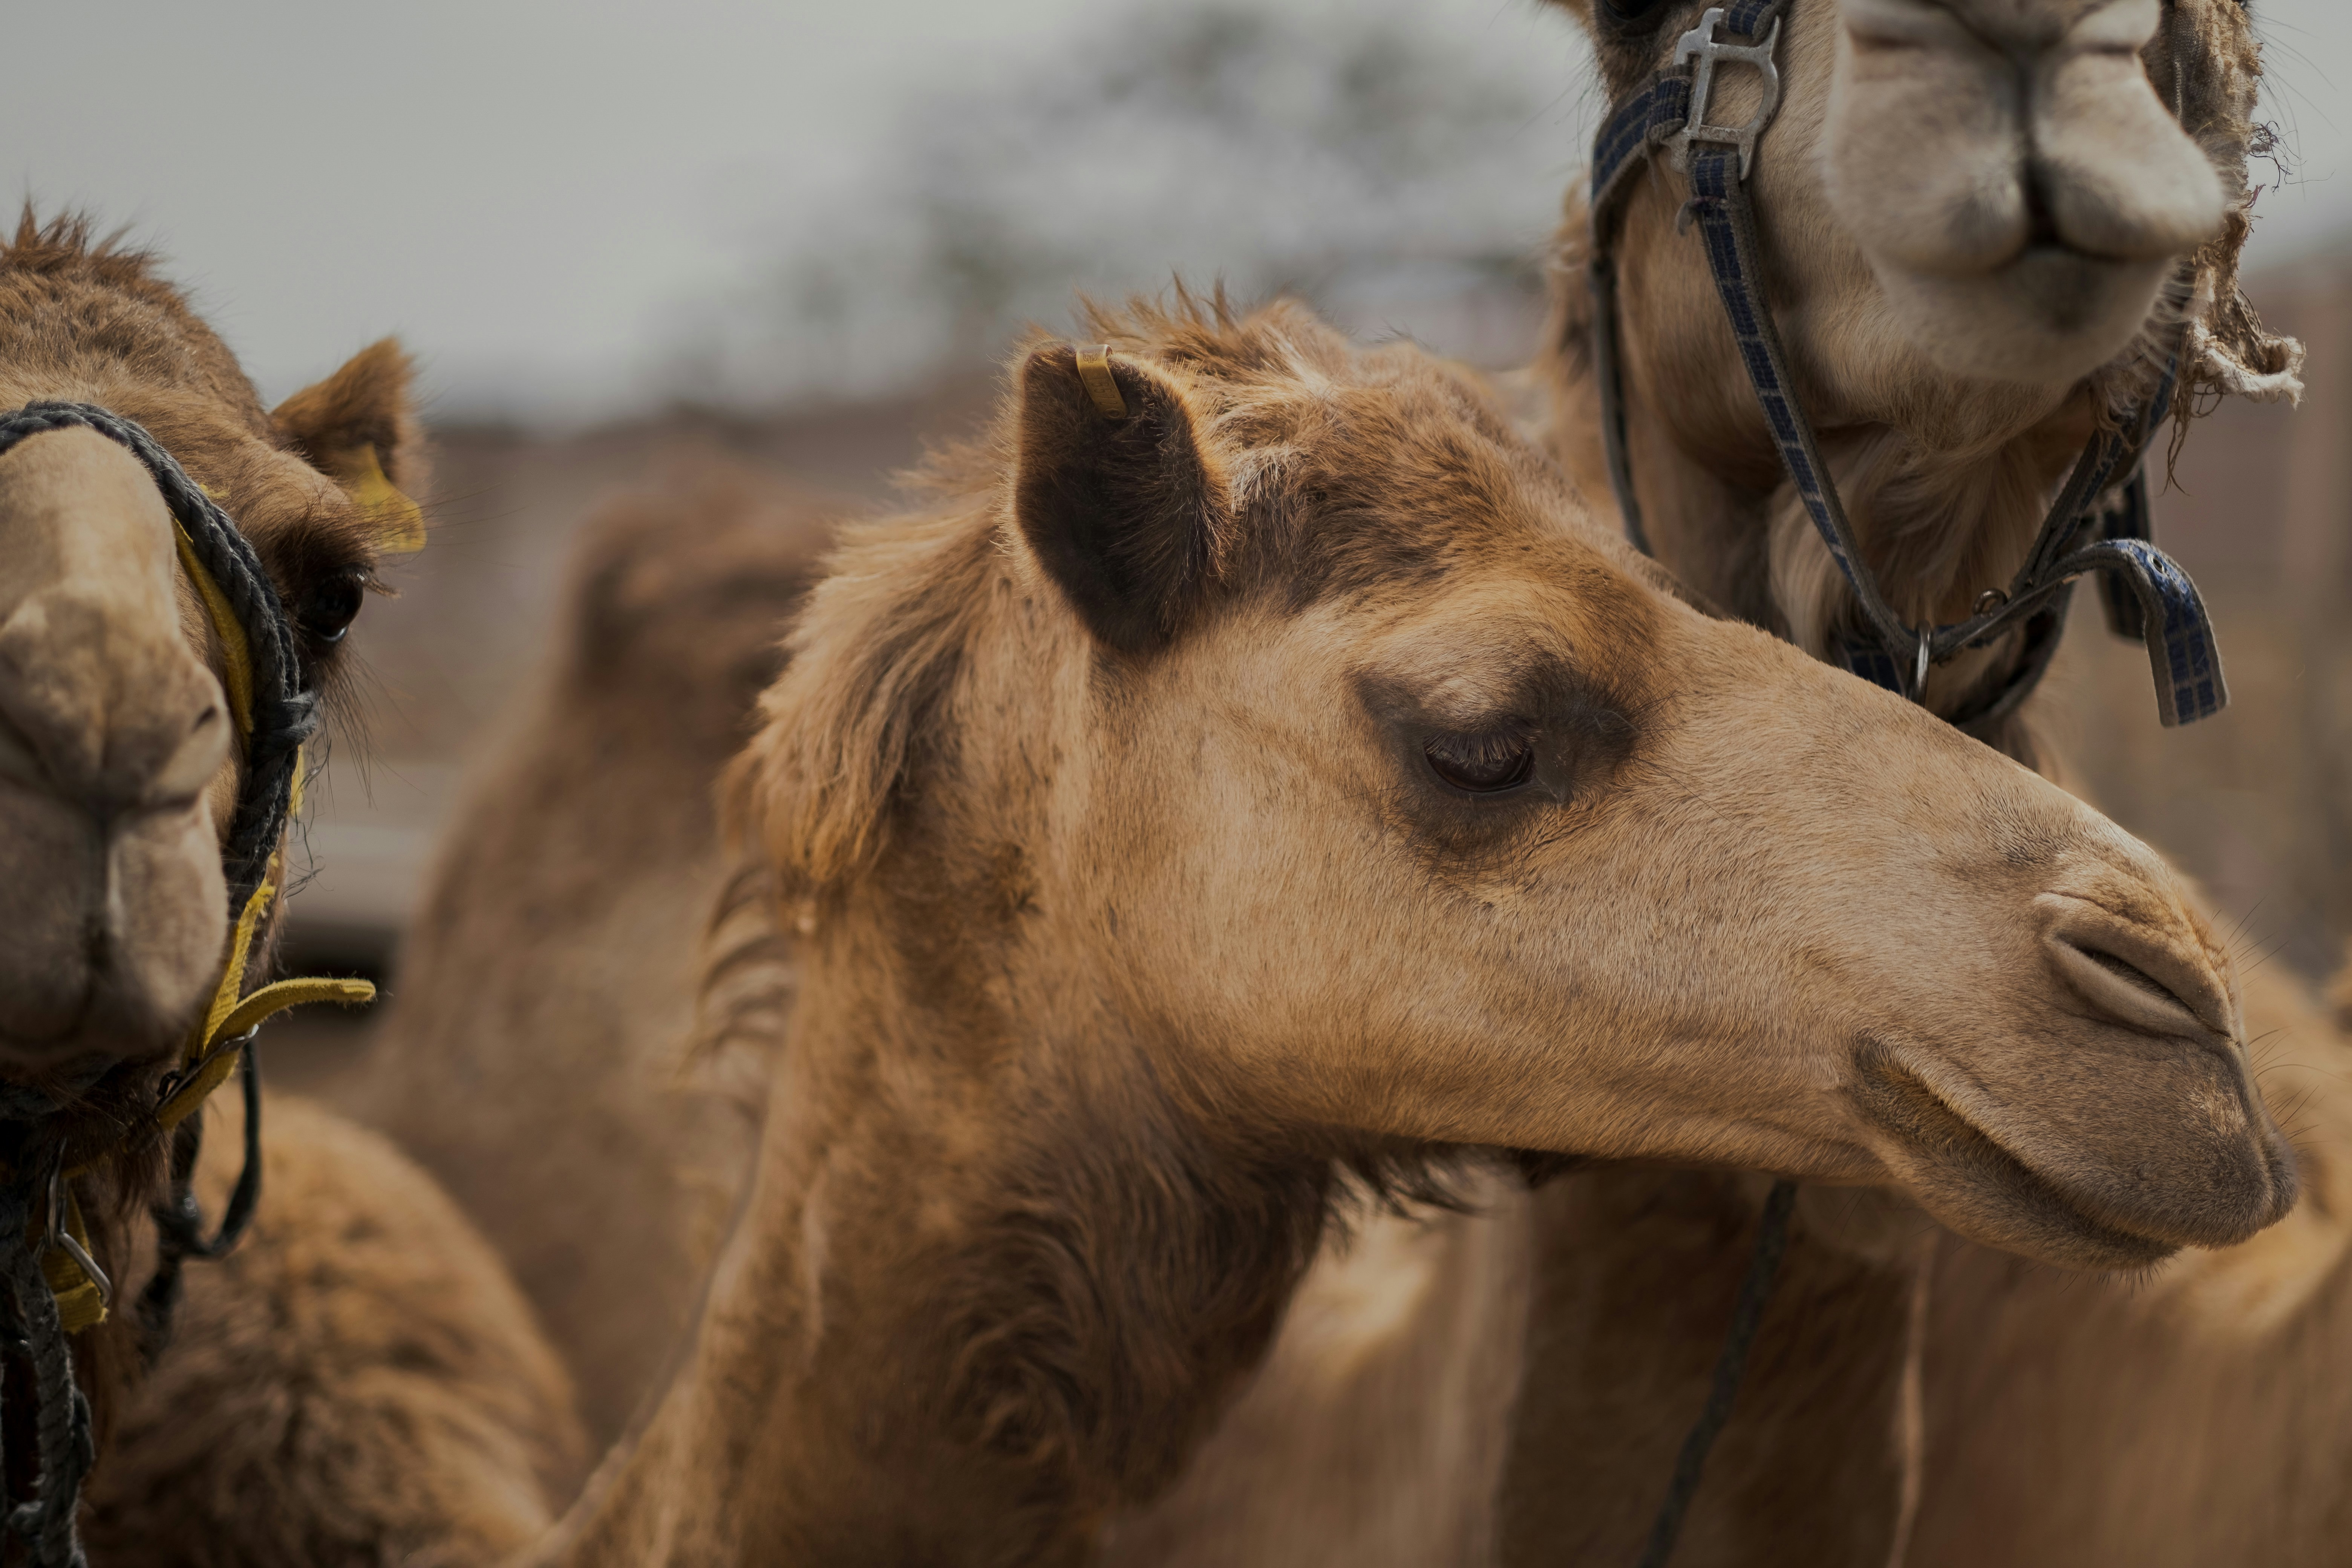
529, 191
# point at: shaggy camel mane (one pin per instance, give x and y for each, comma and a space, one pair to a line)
66, 253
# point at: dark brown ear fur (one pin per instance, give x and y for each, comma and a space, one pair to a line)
366, 403
1124, 514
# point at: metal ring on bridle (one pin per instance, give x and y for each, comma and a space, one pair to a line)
62, 1238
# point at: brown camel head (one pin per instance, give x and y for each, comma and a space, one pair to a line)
1291, 746
2010, 190
1984, 227
119, 753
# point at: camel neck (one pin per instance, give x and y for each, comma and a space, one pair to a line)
987, 1285
1940, 521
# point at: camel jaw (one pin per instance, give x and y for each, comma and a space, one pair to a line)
2052, 315
1982, 1184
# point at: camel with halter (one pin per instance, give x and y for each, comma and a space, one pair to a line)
180, 568
2188, 1415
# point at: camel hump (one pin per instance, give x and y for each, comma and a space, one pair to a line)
681, 591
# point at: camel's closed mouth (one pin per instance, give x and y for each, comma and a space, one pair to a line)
1974, 1183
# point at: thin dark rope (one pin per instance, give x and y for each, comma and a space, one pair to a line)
63, 1445
1730, 1364
180, 1223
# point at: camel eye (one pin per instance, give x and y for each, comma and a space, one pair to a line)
329, 609
1630, 13
1486, 763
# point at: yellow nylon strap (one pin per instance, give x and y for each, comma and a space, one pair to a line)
231, 980
235, 651
266, 1003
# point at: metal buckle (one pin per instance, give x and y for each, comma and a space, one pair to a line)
59, 1237
1700, 44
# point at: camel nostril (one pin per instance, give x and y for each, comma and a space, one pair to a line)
192, 765
2132, 974
2149, 991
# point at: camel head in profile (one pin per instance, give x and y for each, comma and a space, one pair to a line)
120, 749
1294, 740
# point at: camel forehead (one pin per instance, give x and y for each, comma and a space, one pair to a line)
76, 321
1501, 624
2036, 20
1383, 488
1629, 56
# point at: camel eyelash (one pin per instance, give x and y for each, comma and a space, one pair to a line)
1483, 761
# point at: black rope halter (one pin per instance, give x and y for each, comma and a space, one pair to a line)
2098, 524
283, 714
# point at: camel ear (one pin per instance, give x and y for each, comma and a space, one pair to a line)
1122, 508
359, 427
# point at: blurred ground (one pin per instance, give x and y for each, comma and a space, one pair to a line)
2256, 803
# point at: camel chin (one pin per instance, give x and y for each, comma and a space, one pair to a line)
1971, 1178
2048, 317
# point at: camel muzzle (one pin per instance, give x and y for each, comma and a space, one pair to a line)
2121, 1127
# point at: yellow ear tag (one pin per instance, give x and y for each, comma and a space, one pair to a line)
1094, 373
402, 521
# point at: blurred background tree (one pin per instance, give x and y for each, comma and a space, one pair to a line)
1371, 162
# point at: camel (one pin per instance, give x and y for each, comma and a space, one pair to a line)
1946, 454
132, 669
1254, 773
619, 993
563, 913
2195, 1414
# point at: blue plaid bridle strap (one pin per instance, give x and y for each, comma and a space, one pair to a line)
2148, 598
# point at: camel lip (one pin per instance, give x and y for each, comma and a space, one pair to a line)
2043, 256
97, 1033
1959, 1170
